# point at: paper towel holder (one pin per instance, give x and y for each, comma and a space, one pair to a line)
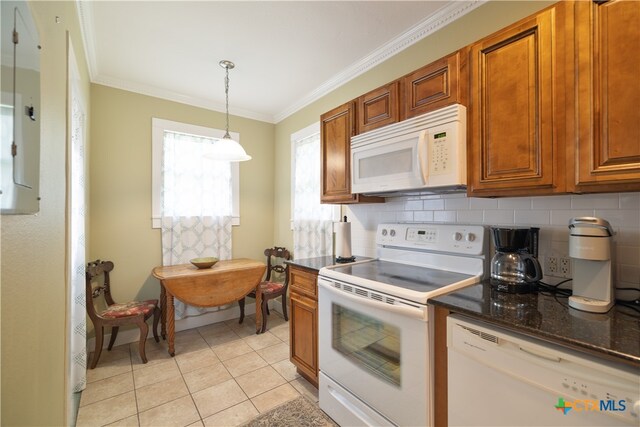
345, 233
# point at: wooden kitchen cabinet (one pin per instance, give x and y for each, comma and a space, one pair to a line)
303, 322
379, 107
607, 156
516, 115
441, 83
336, 129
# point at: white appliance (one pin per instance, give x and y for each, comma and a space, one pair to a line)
590, 250
501, 378
422, 154
375, 335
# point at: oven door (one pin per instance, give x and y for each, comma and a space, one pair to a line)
378, 354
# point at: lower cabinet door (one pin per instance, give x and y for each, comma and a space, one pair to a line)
304, 336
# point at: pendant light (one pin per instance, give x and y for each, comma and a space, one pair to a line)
227, 148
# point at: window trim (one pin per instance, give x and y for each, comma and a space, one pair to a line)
304, 133
158, 127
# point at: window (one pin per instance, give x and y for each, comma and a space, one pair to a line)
305, 177
192, 184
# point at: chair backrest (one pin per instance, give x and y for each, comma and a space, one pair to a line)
94, 270
273, 266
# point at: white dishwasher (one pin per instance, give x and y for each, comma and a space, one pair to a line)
500, 378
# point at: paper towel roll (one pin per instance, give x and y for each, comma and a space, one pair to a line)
343, 239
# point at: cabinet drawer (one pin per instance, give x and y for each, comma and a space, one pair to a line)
303, 282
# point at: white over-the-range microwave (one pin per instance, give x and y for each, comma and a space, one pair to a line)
424, 154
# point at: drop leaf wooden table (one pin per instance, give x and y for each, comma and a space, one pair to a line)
226, 282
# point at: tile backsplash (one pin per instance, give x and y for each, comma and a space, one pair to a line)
551, 214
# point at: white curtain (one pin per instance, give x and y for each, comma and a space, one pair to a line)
192, 183
77, 322
196, 206
312, 238
185, 238
312, 221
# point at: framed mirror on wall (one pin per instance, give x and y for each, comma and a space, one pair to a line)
19, 110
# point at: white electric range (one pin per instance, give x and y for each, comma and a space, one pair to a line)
375, 337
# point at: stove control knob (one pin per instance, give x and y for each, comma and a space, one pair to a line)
457, 236
384, 231
470, 237
392, 232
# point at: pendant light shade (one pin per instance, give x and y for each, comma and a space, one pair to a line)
229, 150
226, 148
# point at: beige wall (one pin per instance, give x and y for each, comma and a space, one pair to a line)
120, 170
34, 246
471, 27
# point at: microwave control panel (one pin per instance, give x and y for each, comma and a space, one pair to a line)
439, 156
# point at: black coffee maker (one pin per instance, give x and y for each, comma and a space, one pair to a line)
515, 267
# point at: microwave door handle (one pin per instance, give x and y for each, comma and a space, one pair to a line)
423, 161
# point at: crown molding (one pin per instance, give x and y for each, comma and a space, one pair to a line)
85, 15
442, 18
169, 95
445, 16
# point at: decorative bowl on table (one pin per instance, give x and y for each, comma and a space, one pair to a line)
206, 262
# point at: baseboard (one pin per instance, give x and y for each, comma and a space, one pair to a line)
133, 335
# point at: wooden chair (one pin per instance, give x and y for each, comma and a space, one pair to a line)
115, 315
272, 289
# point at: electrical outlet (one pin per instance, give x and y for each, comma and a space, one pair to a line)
564, 267
551, 266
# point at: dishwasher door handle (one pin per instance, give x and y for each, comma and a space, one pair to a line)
539, 354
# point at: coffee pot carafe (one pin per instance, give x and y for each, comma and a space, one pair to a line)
515, 267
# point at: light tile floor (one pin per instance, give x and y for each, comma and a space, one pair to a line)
222, 375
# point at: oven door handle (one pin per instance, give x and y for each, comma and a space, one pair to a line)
404, 310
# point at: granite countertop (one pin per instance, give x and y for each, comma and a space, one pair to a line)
614, 335
317, 263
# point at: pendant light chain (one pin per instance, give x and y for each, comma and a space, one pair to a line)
227, 65
226, 148
226, 92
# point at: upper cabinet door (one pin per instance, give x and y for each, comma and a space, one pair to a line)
379, 108
336, 129
436, 85
513, 118
608, 79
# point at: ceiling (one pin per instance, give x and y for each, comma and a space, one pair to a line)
287, 53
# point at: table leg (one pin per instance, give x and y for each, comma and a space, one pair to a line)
258, 309
171, 326
163, 311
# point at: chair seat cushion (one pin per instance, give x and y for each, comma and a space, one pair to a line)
129, 309
270, 287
